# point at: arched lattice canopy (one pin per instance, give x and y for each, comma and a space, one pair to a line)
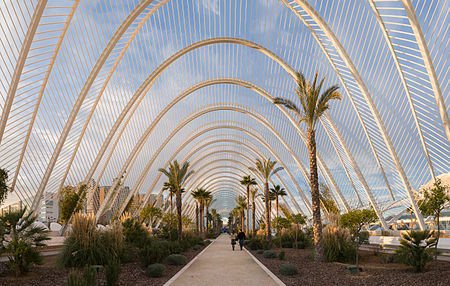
93, 91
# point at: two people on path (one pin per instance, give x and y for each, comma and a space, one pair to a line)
239, 237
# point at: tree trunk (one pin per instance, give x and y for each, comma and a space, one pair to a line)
201, 219
180, 223
248, 208
277, 206
437, 237
253, 219
197, 224
171, 203
317, 221
266, 194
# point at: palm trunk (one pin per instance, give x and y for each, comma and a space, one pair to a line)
248, 201
180, 223
317, 221
196, 219
201, 219
266, 194
277, 205
253, 219
171, 203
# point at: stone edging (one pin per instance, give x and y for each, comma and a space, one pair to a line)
178, 274
273, 276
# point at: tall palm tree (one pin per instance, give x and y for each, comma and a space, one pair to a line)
168, 187
208, 202
278, 191
248, 181
314, 103
241, 206
201, 195
266, 168
177, 175
253, 195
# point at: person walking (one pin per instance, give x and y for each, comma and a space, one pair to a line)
241, 237
233, 240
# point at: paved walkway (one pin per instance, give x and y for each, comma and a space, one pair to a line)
219, 265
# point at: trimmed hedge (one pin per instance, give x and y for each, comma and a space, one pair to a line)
176, 259
269, 254
155, 270
288, 269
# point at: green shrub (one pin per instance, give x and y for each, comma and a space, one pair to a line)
260, 251
191, 237
154, 251
155, 270
246, 242
19, 240
75, 279
197, 247
416, 249
184, 244
112, 272
176, 259
363, 237
175, 247
385, 259
338, 245
85, 245
269, 254
207, 241
201, 242
281, 255
135, 234
266, 245
255, 244
288, 269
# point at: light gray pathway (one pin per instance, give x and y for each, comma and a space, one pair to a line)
219, 265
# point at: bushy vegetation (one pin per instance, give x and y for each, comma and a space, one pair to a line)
19, 240
87, 245
281, 255
154, 251
135, 234
112, 272
269, 254
176, 259
155, 270
416, 249
87, 278
260, 251
288, 269
338, 244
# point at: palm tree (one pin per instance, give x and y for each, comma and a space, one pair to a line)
266, 168
201, 195
253, 195
208, 202
248, 181
177, 176
241, 206
313, 106
278, 191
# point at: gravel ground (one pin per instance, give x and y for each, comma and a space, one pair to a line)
132, 274
374, 272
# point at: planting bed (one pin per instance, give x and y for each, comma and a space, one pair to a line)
132, 274
374, 271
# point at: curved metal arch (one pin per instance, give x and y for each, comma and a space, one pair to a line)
197, 114
26, 45
405, 85
146, 85
246, 130
364, 90
412, 17
83, 93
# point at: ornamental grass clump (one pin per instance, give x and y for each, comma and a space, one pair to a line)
288, 269
112, 272
87, 278
338, 245
155, 270
416, 249
154, 251
176, 259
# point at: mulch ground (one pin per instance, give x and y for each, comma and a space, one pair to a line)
374, 272
132, 273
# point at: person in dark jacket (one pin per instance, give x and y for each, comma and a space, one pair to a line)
241, 237
233, 240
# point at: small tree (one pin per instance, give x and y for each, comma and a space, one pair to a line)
416, 249
279, 223
3, 185
20, 240
434, 201
72, 201
354, 221
298, 220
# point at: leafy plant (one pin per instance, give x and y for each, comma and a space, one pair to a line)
338, 245
298, 220
416, 249
3, 185
112, 272
134, 232
20, 239
154, 251
155, 270
281, 255
288, 269
279, 223
149, 214
71, 202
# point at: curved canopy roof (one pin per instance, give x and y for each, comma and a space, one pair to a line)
98, 90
